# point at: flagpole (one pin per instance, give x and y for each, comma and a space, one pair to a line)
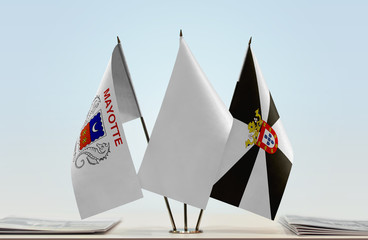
185, 218
145, 132
185, 205
199, 220
166, 200
128, 74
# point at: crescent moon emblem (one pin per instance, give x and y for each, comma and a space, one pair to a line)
93, 128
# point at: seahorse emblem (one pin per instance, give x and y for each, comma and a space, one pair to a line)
93, 155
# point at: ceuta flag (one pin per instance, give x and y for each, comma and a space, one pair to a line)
189, 136
258, 155
103, 173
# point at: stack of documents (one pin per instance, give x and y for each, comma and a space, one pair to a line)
322, 226
44, 226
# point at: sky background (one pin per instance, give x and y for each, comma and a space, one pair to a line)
313, 55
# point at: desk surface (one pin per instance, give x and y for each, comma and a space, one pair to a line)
217, 226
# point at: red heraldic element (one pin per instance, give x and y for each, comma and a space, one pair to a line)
85, 137
267, 139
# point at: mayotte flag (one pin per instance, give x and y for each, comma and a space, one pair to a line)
103, 172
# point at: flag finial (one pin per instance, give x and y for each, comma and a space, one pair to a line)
118, 39
181, 33
250, 41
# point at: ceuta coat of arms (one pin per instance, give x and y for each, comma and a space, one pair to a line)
262, 135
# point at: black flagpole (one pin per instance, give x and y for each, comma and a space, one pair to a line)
185, 218
147, 138
199, 220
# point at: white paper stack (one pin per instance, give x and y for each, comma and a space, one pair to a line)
46, 226
321, 226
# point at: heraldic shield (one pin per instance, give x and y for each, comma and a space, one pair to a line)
267, 138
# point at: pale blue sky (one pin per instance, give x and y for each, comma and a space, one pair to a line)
313, 55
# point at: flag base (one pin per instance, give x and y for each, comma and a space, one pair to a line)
186, 230
182, 231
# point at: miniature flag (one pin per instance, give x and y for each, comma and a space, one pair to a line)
103, 173
189, 136
258, 155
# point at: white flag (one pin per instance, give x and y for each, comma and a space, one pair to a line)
189, 136
103, 173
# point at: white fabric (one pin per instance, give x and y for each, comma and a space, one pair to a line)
284, 144
235, 147
256, 195
110, 182
264, 93
189, 136
125, 95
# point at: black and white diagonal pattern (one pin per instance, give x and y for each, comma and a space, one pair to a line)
251, 178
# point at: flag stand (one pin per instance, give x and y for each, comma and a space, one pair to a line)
186, 230
174, 229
